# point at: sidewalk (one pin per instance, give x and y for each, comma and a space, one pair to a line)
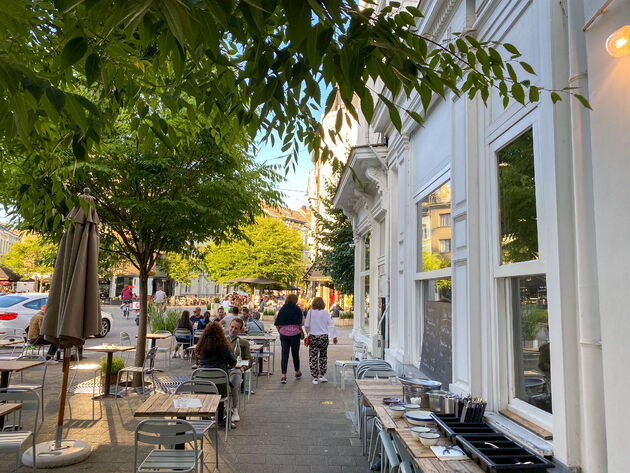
284, 428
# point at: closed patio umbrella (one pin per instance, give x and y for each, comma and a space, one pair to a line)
72, 315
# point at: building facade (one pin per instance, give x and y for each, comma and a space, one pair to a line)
491, 242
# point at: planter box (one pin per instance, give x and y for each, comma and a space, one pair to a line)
268, 318
343, 322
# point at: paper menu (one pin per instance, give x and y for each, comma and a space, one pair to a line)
448, 452
186, 403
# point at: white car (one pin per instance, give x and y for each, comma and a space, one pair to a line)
16, 311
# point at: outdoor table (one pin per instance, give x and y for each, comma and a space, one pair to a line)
109, 349
162, 405
7, 367
263, 338
9, 407
154, 337
6, 343
373, 392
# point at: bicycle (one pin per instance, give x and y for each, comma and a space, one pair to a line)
126, 308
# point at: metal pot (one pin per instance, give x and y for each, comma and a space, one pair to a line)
436, 400
448, 404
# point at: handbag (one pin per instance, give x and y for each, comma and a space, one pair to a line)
307, 340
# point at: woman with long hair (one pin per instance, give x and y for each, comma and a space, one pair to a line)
317, 323
183, 322
289, 322
213, 351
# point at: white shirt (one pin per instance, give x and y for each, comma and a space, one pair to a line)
160, 295
317, 323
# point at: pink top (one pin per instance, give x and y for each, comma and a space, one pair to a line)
289, 330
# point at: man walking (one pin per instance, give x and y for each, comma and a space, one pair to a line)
241, 350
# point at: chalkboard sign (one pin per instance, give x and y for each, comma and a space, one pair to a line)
437, 353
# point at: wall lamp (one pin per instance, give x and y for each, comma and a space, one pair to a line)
618, 43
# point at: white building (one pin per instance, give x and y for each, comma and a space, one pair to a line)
7, 238
524, 281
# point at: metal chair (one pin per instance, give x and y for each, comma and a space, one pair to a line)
125, 341
407, 467
144, 370
377, 427
340, 366
182, 334
366, 413
95, 369
222, 381
17, 347
41, 368
13, 441
390, 462
167, 433
163, 348
202, 426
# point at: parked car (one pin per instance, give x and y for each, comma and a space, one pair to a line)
16, 311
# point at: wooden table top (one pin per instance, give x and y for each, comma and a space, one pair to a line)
9, 407
157, 336
5, 342
373, 391
19, 365
161, 405
109, 348
258, 337
255, 347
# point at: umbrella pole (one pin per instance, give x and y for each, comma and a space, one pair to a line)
62, 399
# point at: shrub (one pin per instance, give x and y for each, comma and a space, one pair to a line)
217, 300
269, 312
117, 364
346, 314
160, 319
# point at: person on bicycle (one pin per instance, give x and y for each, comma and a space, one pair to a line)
126, 295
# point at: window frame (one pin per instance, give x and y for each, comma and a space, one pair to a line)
504, 273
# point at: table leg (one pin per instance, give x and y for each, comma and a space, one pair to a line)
153, 340
108, 373
216, 442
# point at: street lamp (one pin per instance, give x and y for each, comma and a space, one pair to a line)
618, 43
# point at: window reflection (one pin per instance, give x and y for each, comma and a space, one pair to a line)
531, 341
434, 230
517, 200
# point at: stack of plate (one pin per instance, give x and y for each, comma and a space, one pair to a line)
418, 417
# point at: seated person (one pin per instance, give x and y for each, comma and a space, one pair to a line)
34, 337
255, 326
183, 323
246, 318
197, 320
241, 350
227, 320
213, 351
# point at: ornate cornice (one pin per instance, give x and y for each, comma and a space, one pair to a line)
377, 176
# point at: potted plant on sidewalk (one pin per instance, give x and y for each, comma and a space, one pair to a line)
117, 364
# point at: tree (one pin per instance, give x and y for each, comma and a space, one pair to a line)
336, 251
150, 203
31, 258
268, 249
179, 268
69, 70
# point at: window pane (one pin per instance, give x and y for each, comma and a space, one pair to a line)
366, 299
517, 200
436, 357
434, 226
366, 253
531, 341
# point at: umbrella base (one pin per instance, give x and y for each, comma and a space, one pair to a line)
71, 452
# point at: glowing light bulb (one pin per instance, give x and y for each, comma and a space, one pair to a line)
618, 43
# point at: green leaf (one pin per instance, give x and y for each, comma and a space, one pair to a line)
415, 12
74, 50
92, 68
555, 97
56, 97
367, 105
534, 96
512, 49
527, 67
518, 93
583, 101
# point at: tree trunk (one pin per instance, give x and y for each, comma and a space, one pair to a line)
142, 327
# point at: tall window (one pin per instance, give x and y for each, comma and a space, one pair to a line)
434, 225
365, 283
527, 293
517, 200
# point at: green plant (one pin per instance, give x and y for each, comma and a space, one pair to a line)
269, 312
160, 319
346, 314
117, 364
532, 317
217, 300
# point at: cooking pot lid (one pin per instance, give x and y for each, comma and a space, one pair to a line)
427, 383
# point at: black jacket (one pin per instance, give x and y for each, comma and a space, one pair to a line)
289, 314
218, 360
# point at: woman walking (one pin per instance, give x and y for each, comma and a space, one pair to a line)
289, 322
317, 322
